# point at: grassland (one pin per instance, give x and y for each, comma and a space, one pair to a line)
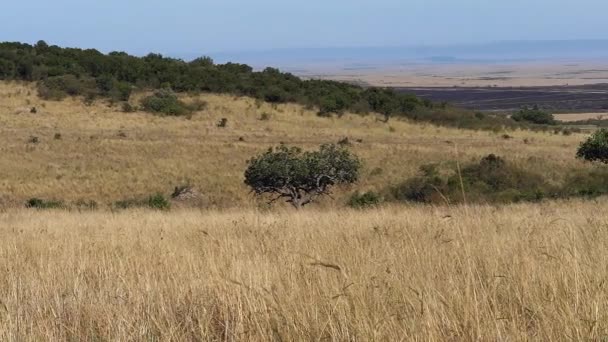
524, 272
106, 155
236, 272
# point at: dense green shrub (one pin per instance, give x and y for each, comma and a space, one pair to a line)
595, 148
587, 183
365, 200
37, 203
159, 202
534, 115
491, 180
165, 102
300, 177
59, 87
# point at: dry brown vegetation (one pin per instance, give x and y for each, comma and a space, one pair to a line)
106, 155
517, 272
524, 272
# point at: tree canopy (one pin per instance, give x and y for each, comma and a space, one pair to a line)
300, 177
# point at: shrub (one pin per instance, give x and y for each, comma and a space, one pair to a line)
59, 87
37, 203
364, 200
426, 188
534, 115
265, 117
587, 183
595, 148
128, 108
165, 102
300, 177
491, 180
159, 202
156, 201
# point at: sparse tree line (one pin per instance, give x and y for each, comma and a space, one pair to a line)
62, 72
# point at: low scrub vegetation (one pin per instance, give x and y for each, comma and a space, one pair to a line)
495, 180
369, 199
534, 115
156, 201
37, 203
165, 102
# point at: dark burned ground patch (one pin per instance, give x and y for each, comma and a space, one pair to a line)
555, 98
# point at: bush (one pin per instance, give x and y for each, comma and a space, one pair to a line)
165, 102
59, 87
534, 115
128, 108
156, 201
585, 183
159, 202
364, 200
595, 148
300, 177
37, 203
491, 180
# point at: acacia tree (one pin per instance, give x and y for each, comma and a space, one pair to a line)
301, 177
595, 148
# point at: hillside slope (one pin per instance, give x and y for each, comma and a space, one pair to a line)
105, 155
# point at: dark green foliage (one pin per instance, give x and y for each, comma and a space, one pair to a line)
491, 180
37, 203
156, 201
300, 177
534, 115
426, 188
587, 183
165, 102
364, 200
128, 108
62, 72
595, 148
59, 87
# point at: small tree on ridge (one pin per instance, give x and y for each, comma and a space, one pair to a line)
301, 177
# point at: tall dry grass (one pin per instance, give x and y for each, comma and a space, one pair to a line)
106, 155
521, 272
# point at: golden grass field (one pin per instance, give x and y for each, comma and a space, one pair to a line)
521, 272
92, 161
229, 271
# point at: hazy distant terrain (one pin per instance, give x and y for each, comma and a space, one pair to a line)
500, 76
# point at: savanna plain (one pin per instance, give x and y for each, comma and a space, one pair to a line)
232, 268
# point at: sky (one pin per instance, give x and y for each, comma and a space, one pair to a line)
204, 26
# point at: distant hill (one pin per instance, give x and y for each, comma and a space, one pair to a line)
500, 51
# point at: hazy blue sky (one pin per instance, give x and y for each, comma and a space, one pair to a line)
205, 26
